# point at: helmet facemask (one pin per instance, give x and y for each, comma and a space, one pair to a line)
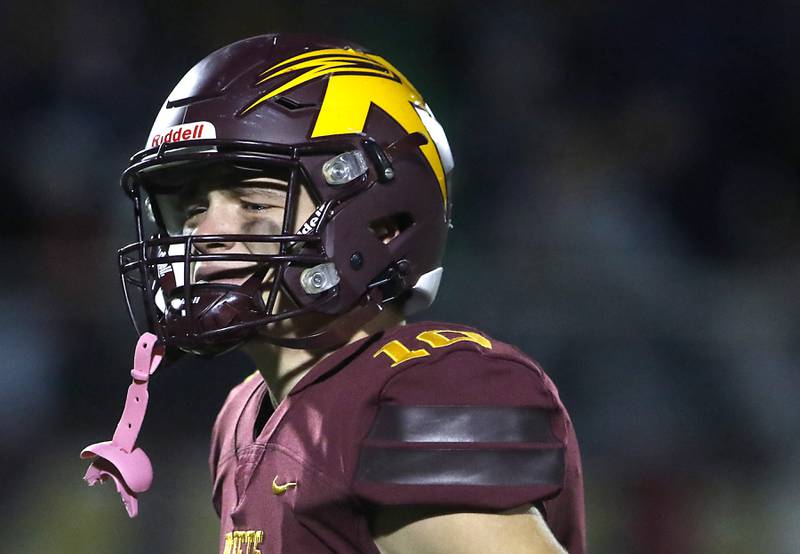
211, 317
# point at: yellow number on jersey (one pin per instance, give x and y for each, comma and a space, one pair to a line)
437, 339
399, 352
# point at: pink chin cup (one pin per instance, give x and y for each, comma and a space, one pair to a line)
119, 458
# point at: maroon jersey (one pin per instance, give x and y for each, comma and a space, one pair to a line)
422, 414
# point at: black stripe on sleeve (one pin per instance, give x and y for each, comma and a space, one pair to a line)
401, 423
461, 467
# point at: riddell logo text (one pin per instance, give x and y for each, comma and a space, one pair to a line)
191, 131
311, 223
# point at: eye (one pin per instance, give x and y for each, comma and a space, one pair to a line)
196, 210
256, 207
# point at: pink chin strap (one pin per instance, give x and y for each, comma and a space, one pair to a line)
119, 458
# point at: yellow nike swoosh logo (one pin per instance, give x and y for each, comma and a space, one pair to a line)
280, 489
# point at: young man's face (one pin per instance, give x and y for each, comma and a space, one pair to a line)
252, 207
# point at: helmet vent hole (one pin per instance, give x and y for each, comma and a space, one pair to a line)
386, 229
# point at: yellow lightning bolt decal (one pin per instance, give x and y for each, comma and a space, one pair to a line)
357, 80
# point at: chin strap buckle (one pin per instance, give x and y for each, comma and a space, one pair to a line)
120, 459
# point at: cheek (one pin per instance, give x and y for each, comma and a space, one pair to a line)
262, 226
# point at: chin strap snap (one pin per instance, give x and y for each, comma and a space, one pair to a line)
119, 458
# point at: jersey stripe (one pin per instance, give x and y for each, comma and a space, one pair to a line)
439, 466
401, 423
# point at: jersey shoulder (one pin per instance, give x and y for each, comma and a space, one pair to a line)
461, 419
429, 341
434, 361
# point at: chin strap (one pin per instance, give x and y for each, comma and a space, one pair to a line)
119, 458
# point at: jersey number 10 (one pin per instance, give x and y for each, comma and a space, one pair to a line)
399, 352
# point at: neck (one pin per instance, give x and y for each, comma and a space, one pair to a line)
282, 368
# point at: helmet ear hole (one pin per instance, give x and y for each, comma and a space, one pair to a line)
386, 229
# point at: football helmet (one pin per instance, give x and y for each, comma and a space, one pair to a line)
317, 113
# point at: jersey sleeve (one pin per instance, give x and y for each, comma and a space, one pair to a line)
469, 430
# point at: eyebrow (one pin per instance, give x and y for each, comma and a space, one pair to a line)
272, 190
195, 194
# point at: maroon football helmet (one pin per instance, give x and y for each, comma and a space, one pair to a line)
315, 113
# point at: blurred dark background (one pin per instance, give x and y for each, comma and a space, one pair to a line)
627, 211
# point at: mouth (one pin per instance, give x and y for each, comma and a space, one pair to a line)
225, 276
